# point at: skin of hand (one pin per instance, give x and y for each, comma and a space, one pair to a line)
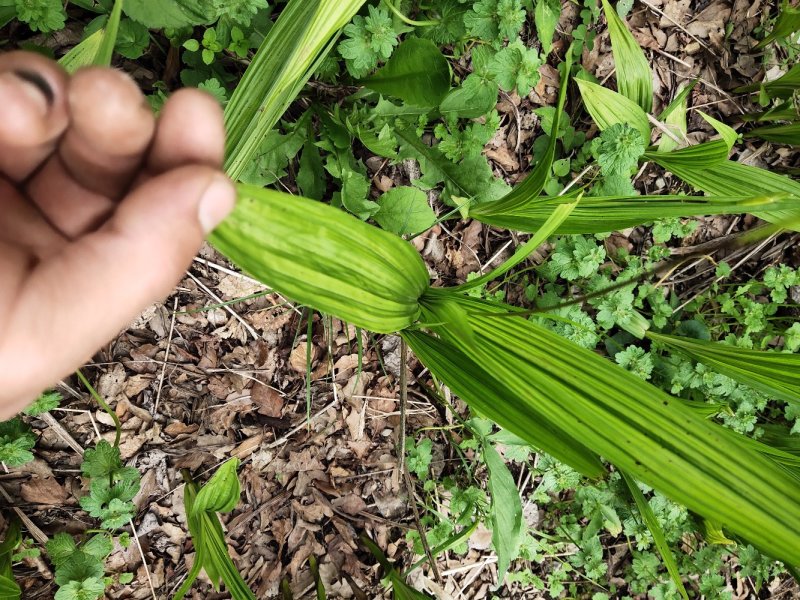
102, 208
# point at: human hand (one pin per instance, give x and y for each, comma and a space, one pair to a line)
102, 208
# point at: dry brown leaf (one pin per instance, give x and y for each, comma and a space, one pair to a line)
350, 504
268, 401
297, 360
43, 490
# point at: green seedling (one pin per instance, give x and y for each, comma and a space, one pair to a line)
219, 495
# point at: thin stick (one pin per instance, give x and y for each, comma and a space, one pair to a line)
61, 432
422, 537
403, 401
679, 26
144, 560
207, 290
37, 533
103, 404
733, 268
304, 424
228, 271
166, 356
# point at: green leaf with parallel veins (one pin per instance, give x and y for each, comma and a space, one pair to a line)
712, 470
788, 22
776, 374
650, 520
780, 134
608, 107
404, 210
221, 493
634, 77
506, 513
417, 73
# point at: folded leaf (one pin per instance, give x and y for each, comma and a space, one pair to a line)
608, 108
650, 520
322, 257
611, 412
634, 77
783, 87
597, 214
286, 59
506, 514
787, 23
776, 374
780, 134
674, 118
730, 178
98, 48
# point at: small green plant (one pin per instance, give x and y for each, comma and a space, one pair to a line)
112, 486
16, 442
44, 403
9, 589
219, 495
80, 570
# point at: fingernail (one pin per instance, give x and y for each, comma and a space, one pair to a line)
36, 87
216, 203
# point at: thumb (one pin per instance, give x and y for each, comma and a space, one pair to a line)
77, 300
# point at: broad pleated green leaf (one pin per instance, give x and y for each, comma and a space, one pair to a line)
488, 394
208, 537
608, 107
730, 178
674, 118
783, 87
633, 424
787, 23
699, 156
221, 493
776, 374
785, 111
282, 65
506, 513
634, 77
650, 520
98, 48
788, 133
596, 214
549, 227
780, 438
322, 257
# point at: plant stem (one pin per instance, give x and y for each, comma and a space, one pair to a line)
103, 405
405, 19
